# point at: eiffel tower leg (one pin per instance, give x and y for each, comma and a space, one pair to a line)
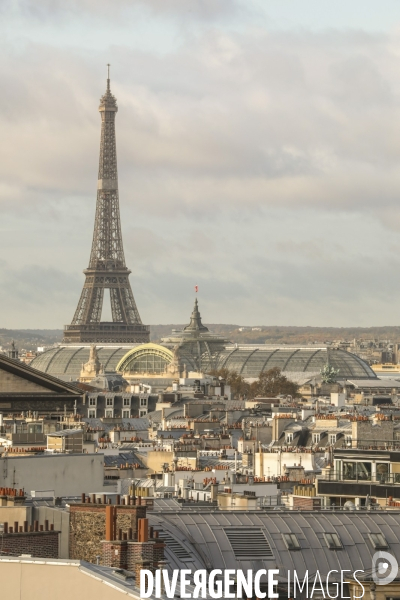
90, 306
117, 306
130, 305
95, 305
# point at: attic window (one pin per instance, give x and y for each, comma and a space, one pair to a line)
316, 438
289, 438
378, 541
333, 541
175, 546
332, 438
291, 541
248, 543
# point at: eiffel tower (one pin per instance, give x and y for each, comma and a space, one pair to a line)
107, 269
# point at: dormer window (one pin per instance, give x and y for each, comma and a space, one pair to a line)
316, 438
332, 438
289, 438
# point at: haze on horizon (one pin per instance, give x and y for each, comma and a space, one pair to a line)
258, 149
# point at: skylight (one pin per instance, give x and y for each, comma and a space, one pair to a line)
333, 541
291, 541
378, 541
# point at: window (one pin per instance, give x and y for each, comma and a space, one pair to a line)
291, 541
143, 401
348, 439
316, 438
289, 438
92, 413
332, 438
360, 471
382, 472
109, 414
127, 401
143, 413
109, 401
378, 541
333, 541
126, 414
92, 401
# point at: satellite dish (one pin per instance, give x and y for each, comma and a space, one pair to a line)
349, 505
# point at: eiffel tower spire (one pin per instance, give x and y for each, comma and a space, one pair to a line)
107, 268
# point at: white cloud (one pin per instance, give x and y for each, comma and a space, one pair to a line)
263, 166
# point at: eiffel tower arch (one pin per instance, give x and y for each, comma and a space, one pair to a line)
107, 269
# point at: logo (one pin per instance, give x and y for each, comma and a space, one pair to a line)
384, 568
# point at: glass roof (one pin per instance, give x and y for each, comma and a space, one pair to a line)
66, 362
251, 361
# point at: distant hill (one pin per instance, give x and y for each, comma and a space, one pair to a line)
273, 334
30, 339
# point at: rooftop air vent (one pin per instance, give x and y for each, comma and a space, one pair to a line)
248, 543
175, 546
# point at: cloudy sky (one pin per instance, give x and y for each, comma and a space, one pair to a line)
258, 147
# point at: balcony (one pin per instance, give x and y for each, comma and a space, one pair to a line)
379, 486
388, 478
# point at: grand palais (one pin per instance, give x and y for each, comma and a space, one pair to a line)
196, 349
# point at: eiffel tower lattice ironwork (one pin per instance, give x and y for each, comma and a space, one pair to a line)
107, 269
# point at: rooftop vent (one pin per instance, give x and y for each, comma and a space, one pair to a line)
248, 543
173, 544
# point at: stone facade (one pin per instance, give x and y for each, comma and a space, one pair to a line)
88, 527
365, 433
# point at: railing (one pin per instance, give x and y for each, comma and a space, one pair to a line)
392, 478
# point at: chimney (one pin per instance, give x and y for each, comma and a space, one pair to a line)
143, 530
109, 522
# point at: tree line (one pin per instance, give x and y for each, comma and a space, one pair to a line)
270, 384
